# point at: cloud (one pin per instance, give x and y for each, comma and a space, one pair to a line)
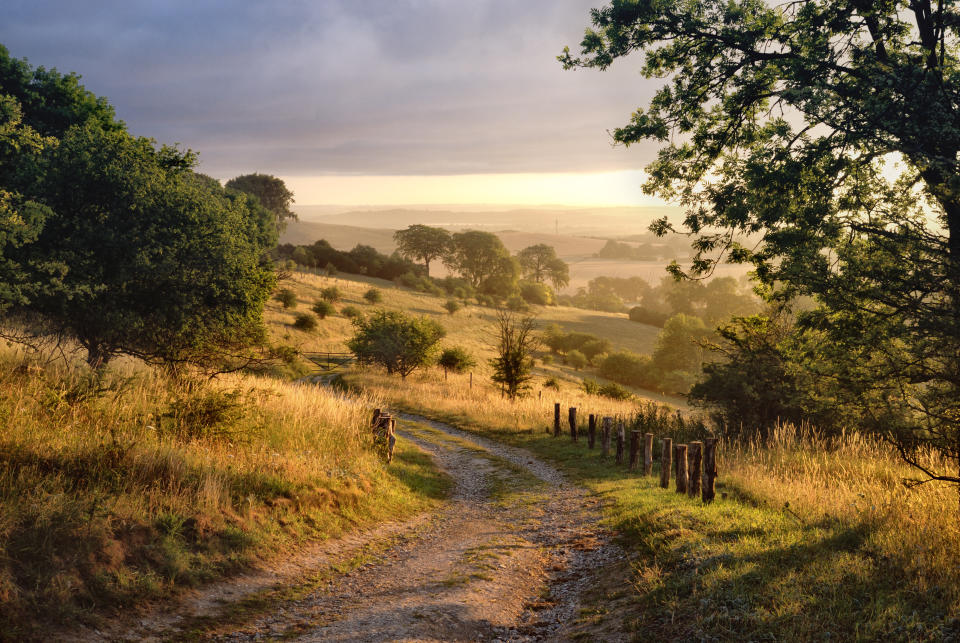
356, 87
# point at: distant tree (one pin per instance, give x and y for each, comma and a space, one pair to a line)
456, 359
535, 261
576, 359
373, 296
331, 294
536, 293
452, 306
305, 321
396, 341
680, 344
271, 192
480, 258
422, 242
514, 342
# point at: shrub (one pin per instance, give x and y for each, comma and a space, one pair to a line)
551, 382
456, 359
593, 347
486, 300
286, 297
536, 293
452, 306
351, 311
396, 341
628, 368
590, 387
331, 294
374, 296
330, 269
323, 308
576, 359
305, 321
517, 304
615, 391
646, 316
547, 359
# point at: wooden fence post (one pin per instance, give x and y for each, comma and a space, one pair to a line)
592, 431
634, 449
682, 468
648, 454
573, 423
376, 417
665, 462
605, 437
620, 440
556, 420
709, 468
694, 455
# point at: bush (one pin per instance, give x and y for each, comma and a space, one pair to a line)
419, 283
305, 321
351, 311
486, 300
547, 359
456, 359
629, 368
517, 304
331, 294
614, 391
374, 296
396, 341
643, 315
452, 306
594, 347
536, 293
576, 359
323, 308
552, 382
330, 269
590, 387
286, 297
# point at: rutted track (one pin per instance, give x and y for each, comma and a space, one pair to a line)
506, 559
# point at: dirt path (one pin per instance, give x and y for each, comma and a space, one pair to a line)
508, 559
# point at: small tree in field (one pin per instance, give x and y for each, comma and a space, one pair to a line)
514, 343
396, 341
452, 306
323, 308
456, 359
286, 297
373, 296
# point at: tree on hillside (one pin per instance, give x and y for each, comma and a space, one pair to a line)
422, 242
558, 274
483, 260
116, 243
271, 192
782, 120
514, 342
396, 341
534, 261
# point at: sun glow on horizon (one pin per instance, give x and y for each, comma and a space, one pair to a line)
587, 189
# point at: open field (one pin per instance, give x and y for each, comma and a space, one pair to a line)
127, 486
469, 327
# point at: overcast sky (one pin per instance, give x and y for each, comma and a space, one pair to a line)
347, 87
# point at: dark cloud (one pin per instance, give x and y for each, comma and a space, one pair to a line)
349, 86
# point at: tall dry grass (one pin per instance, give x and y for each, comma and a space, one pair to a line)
125, 485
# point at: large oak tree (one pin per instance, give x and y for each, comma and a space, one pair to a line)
830, 131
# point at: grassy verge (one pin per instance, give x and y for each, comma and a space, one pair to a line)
126, 487
816, 540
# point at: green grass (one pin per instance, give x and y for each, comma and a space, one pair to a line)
748, 568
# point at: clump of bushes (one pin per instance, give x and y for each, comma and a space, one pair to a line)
646, 316
305, 321
351, 311
536, 293
374, 296
286, 297
552, 382
517, 304
452, 306
420, 283
331, 294
611, 390
456, 359
576, 359
323, 308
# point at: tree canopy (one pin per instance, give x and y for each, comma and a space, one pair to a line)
271, 192
422, 242
483, 260
398, 342
115, 242
831, 132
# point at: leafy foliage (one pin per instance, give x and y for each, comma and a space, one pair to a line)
323, 308
456, 359
515, 341
270, 192
287, 297
396, 341
422, 242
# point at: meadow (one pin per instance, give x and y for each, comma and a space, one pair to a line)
129, 485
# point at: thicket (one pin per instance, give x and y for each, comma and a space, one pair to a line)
362, 260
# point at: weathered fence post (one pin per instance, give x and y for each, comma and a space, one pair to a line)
376, 417
620, 439
665, 462
384, 435
648, 454
694, 455
592, 431
634, 449
556, 420
573, 423
605, 437
682, 468
709, 468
